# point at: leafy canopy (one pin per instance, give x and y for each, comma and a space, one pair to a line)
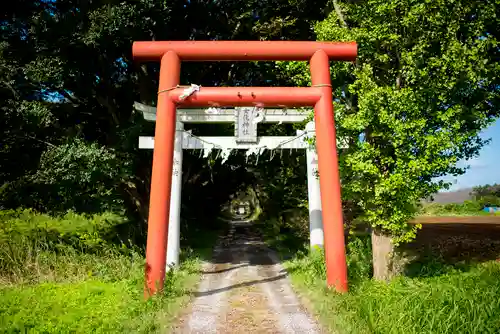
424, 85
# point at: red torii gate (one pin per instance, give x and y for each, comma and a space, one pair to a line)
170, 54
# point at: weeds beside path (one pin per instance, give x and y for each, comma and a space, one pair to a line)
63, 275
439, 297
93, 305
457, 302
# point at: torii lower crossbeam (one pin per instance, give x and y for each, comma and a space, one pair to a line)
319, 95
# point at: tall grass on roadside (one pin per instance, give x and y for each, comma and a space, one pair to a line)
453, 302
82, 274
36, 248
94, 305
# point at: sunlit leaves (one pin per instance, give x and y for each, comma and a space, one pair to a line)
425, 84
67, 173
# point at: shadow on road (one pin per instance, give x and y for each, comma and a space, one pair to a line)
219, 271
239, 285
241, 247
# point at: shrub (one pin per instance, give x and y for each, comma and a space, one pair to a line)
37, 247
359, 262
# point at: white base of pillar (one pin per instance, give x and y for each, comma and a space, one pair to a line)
316, 236
173, 242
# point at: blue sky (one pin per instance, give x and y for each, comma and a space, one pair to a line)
484, 169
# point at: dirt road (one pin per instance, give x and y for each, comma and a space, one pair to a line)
245, 290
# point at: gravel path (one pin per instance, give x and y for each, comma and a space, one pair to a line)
245, 290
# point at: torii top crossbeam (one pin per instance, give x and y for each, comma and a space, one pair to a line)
170, 97
242, 50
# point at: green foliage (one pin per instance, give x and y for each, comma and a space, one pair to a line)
68, 171
465, 208
359, 263
487, 195
425, 83
288, 234
35, 247
489, 201
82, 273
449, 300
68, 87
280, 182
79, 176
486, 190
92, 305
359, 259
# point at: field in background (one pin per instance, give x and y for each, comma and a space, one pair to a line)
469, 208
84, 274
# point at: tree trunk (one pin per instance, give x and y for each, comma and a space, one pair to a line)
383, 252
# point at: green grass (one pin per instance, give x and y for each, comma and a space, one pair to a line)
467, 208
457, 301
94, 305
74, 274
439, 297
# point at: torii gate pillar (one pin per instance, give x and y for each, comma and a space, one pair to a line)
316, 235
329, 178
319, 95
174, 228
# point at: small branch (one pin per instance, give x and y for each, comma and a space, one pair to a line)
36, 139
13, 91
340, 15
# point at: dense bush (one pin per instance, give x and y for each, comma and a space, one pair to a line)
37, 247
489, 201
81, 273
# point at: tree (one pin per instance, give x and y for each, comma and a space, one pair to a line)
486, 190
68, 84
424, 85
487, 195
